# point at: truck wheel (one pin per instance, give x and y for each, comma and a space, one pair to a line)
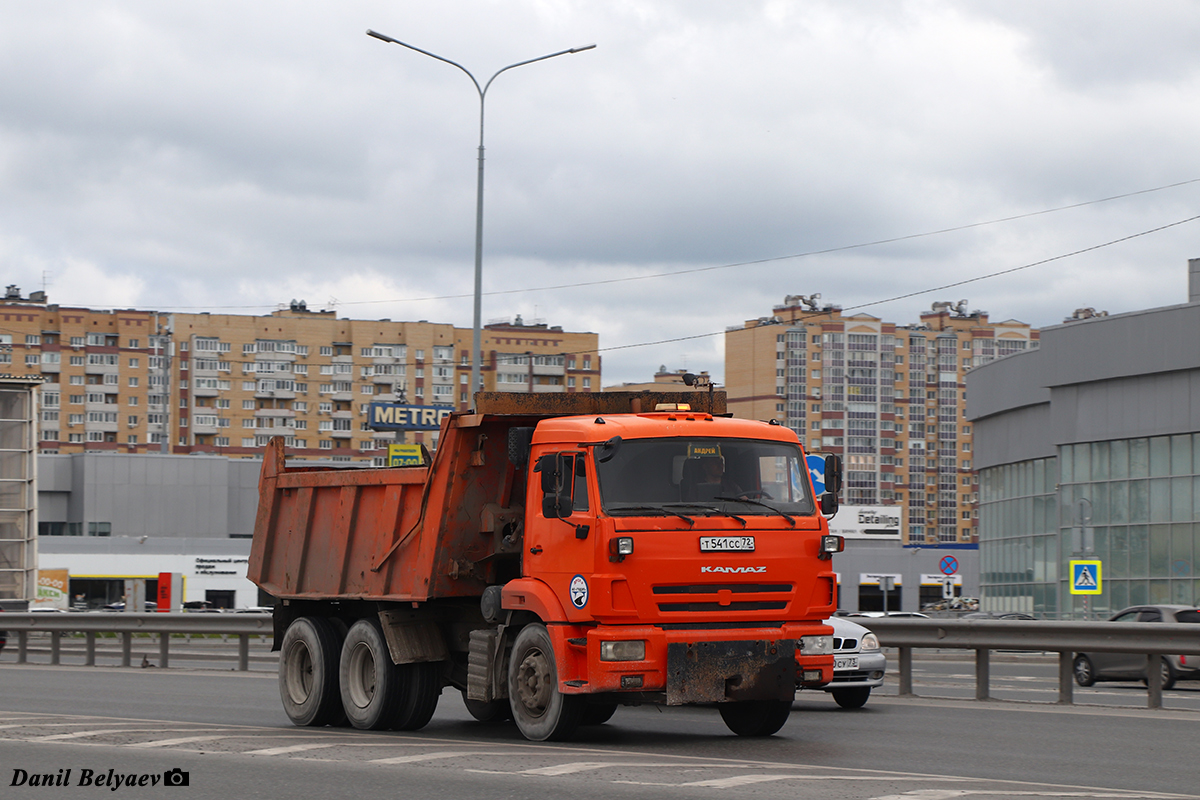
541, 712
852, 698
598, 713
308, 673
755, 717
372, 686
423, 689
495, 711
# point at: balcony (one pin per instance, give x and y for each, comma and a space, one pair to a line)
286, 413
341, 434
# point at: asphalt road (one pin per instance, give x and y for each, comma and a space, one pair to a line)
225, 729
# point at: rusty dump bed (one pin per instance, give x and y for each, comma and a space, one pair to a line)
415, 533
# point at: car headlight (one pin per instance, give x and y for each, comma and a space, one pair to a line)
870, 642
816, 645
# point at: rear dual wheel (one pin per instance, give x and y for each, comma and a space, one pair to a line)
308, 671
378, 694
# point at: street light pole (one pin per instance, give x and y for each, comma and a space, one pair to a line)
476, 335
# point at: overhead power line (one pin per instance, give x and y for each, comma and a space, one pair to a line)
751, 263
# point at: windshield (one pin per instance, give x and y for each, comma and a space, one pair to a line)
703, 475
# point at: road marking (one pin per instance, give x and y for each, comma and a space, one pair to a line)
78, 734
295, 748
173, 742
427, 757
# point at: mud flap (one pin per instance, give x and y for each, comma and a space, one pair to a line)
718, 672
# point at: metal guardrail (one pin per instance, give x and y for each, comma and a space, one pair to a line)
127, 624
1064, 637
904, 633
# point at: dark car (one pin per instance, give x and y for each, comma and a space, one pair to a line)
1092, 667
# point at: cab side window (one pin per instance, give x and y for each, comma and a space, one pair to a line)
579, 497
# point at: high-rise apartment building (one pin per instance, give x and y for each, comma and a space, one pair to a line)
125, 380
888, 398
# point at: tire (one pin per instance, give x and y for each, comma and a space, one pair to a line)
1085, 673
423, 689
542, 713
495, 711
1168, 675
308, 672
756, 717
597, 713
372, 687
852, 698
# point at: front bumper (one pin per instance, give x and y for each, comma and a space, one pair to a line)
695, 666
871, 663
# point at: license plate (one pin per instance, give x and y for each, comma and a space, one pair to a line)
726, 544
845, 662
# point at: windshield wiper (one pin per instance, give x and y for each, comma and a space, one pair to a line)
788, 517
660, 509
713, 509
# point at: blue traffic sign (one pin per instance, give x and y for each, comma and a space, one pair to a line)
816, 470
1086, 577
948, 565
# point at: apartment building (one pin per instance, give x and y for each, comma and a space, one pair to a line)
889, 398
140, 381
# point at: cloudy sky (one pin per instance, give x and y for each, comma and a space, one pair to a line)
705, 160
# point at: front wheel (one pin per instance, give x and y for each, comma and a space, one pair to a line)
598, 713
756, 717
852, 698
541, 711
1085, 673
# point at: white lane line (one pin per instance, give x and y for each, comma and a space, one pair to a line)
427, 757
77, 735
180, 740
739, 780
295, 748
585, 766
571, 769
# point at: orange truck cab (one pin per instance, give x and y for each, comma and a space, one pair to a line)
558, 558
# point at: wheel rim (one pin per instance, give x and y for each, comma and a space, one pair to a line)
361, 675
299, 671
535, 683
1083, 670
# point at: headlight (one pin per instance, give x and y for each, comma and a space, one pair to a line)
870, 642
816, 645
623, 651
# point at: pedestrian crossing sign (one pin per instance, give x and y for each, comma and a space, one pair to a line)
1085, 577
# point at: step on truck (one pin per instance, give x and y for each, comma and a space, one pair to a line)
556, 557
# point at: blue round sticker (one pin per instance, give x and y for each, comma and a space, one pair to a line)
579, 591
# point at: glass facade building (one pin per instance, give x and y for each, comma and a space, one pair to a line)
1089, 449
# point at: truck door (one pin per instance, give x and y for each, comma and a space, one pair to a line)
560, 529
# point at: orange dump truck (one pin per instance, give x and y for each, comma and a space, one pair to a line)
557, 557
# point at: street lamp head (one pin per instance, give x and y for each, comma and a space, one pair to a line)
581, 49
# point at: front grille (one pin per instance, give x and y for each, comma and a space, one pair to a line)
736, 588
714, 602
748, 605
845, 644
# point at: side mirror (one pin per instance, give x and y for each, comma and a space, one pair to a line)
829, 504
558, 475
833, 474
